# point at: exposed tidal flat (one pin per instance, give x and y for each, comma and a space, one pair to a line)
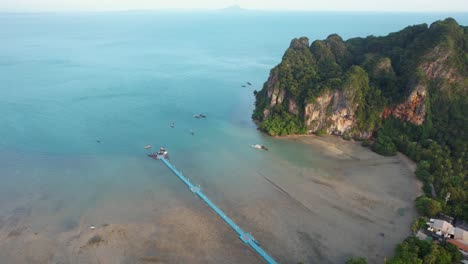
337, 201
82, 94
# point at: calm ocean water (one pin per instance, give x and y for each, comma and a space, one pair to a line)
68, 80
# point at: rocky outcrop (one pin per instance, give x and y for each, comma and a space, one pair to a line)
413, 110
348, 87
273, 90
292, 107
331, 112
435, 68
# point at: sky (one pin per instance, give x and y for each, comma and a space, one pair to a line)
313, 5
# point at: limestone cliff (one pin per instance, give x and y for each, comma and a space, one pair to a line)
348, 87
331, 111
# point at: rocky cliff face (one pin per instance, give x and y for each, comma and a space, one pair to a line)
331, 112
339, 87
413, 110
436, 68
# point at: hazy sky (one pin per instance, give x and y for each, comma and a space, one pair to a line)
336, 5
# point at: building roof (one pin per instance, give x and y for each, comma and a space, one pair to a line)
460, 244
461, 234
443, 226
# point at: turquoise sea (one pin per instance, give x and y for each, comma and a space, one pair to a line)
69, 80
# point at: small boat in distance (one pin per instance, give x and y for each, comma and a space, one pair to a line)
200, 116
259, 147
172, 124
249, 83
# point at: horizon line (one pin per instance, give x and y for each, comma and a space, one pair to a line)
230, 9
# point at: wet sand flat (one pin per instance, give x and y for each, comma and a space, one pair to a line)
345, 201
356, 203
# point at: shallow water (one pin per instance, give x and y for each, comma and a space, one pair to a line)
69, 80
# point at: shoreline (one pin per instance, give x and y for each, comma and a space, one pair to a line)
358, 192
329, 142
299, 213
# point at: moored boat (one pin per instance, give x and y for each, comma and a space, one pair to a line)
257, 146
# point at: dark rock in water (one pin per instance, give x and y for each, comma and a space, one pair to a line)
17, 232
98, 141
95, 240
255, 92
249, 83
243, 85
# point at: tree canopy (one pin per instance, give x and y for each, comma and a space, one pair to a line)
377, 73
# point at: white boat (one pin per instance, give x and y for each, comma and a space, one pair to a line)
257, 146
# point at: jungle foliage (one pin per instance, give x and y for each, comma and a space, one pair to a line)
375, 73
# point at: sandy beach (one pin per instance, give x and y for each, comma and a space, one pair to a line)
356, 203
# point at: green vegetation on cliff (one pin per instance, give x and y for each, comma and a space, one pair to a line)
407, 90
282, 123
374, 73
